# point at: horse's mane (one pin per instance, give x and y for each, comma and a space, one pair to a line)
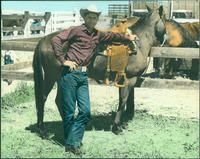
140, 21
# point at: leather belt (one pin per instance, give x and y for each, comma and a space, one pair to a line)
81, 68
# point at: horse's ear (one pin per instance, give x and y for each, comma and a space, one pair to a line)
149, 9
161, 10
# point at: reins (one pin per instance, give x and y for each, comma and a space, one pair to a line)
145, 71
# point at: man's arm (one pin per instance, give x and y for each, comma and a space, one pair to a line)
116, 37
57, 43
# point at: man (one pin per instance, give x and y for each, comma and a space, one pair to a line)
8, 59
83, 41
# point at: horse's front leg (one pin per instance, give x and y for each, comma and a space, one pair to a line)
130, 105
165, 67
123, 96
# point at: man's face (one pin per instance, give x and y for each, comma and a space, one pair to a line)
91, 20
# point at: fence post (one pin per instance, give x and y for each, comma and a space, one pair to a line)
26, 24
77, 17
47, 17
1, 28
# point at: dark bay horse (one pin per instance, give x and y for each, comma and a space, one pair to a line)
177, 36
47, 69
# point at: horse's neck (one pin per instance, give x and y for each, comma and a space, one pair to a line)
146, 36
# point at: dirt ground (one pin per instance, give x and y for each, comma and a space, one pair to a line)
182, 103
177, 103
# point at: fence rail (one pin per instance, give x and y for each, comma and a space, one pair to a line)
22, 23
146, 82
175, 52
167, 52
12, 71
30, 24
17, 66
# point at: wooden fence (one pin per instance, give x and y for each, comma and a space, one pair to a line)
25, 26
22, 22
166, 52
31, 25
145, 82
12, 71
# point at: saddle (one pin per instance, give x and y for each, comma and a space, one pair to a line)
117, 60
117, 55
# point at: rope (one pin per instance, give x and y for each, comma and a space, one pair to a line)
147, 64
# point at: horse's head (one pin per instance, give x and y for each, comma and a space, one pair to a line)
153, 21
158, 18
123, 24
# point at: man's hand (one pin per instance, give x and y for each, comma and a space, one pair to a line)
71, 64
134, 37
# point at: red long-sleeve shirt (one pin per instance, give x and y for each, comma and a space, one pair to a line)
82, 43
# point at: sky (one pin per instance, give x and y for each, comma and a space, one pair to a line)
48, 6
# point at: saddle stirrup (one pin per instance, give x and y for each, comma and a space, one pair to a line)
120, 74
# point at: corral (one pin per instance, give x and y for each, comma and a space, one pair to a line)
172, 113
165, 124
23, 71
166, 52
31, 25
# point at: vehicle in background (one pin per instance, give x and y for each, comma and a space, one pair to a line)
183, 16
139, 12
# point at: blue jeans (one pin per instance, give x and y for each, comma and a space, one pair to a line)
74, 89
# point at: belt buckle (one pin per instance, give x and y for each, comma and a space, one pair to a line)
83, 68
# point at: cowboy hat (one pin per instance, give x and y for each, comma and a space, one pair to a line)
89, 9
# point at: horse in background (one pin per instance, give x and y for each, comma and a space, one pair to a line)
47, 68
193, 29
177, 36
123, 24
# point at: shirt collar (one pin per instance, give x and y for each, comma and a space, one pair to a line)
84, 28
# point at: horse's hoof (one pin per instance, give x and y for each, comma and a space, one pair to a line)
41, 131
43, 134
118, 132
116, 129
126, 127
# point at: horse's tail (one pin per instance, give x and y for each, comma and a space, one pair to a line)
38, 75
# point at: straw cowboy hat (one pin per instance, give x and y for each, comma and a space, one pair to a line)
89, 9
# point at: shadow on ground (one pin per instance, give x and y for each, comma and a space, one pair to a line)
54, 129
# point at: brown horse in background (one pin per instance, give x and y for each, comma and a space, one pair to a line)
193, 29
177, 36
123, 24
47, 68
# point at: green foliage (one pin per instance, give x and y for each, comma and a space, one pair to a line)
23, 93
